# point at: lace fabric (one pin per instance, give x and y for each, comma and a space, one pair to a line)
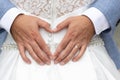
92, 64
66, 6
10, 44
48, 8
37, 7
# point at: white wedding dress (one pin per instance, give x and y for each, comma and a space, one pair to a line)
95, 64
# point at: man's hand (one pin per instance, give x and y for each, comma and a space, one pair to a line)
25, 31
79, 33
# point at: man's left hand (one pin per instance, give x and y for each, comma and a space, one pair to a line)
79, 33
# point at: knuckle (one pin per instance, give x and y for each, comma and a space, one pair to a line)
46, 25
72, 43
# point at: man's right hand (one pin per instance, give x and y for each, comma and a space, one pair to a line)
25, 31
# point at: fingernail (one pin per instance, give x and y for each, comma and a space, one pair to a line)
74, 60
28, 62
41, 63
51, 58
55, 62
62, 63
48, 63
54, 57
54, 29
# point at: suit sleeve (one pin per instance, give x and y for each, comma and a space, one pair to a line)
5, 5
110, 9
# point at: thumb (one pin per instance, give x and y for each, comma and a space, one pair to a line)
44, 25
62, 25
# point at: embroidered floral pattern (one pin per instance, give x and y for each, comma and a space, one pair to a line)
44, 8
36, 7
67, 6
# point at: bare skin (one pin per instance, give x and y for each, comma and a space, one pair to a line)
25, 31
80, 31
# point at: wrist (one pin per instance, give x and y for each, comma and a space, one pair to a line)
9, 17
16, 21
89, 24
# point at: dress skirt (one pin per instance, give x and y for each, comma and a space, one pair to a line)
95, 64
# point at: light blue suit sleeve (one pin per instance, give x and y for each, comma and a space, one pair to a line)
5, 5
110, 8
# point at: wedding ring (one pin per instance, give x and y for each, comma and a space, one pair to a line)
76, 46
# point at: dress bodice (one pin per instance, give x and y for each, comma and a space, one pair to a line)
95, 64
51, 8
54, 11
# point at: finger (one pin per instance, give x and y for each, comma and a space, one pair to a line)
47, 51
62, 25
78, 56
70, 56
43, 46
43, 56
65, 52
48, 61
61, 46
44, 25
33, 55
22, 53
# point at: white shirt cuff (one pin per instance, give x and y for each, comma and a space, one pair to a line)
8, 18
97, 17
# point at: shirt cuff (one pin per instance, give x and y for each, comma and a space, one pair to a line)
8, 18
99, 20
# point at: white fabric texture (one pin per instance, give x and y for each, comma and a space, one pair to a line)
96, 16
7, 20
95, 64
98, 19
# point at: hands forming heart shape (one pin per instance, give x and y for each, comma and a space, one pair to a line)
25, 31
